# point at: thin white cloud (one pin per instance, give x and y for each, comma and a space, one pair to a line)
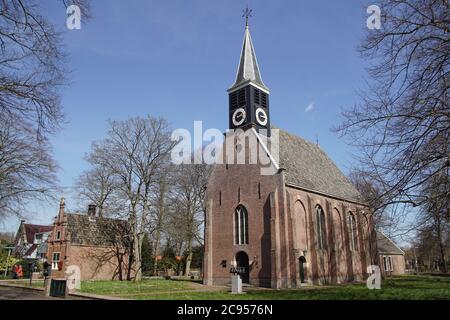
310, 107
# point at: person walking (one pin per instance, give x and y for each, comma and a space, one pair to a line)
14, 270
19, 272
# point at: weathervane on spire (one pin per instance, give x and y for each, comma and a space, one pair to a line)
247, 12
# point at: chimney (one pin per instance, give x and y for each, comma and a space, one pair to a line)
92, 208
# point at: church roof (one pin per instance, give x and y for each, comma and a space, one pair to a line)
248, 70
386, 245
308, 167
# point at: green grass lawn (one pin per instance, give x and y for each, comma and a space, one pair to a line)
125, 288
404, 287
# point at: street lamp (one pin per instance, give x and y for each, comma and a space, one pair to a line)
10, 249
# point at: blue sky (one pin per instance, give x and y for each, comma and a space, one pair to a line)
175, 59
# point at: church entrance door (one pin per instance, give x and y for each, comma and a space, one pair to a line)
243, 264
302, 262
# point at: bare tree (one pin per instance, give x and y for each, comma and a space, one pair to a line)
32, 69
27, 171
97, 185
188, 201
134, 151
371, 195
32, 65
434, 218
402, 125
115, 240
7, 237
159, 223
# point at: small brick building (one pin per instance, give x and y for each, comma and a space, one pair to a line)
93, 244
304, 224
391, 257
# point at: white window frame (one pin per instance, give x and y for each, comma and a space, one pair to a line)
241, 228
351, 222
321, 228
387, 263
36, 241
389, 259
55, 262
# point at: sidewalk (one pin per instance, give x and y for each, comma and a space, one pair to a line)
10, 289
15, 293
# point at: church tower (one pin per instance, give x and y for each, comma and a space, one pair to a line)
248, 96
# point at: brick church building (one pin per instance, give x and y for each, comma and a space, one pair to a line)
304, 224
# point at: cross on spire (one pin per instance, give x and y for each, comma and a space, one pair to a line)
247, 12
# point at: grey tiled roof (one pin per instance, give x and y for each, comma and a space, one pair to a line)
95, 231
386, 245
307, 166
248, 70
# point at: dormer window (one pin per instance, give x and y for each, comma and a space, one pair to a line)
38, 238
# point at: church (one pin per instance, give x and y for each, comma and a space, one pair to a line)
304, 224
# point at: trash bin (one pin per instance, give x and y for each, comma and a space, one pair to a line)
58, 288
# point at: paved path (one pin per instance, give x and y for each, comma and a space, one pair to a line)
15, 293
11, 293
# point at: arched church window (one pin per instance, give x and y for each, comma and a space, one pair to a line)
351, 222
241, 225
320, 223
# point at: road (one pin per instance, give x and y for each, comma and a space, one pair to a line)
11, 293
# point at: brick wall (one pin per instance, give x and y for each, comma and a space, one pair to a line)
277, 236
95, 262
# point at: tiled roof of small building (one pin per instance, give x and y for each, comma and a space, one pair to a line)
95, 231
307, 166
31, 250
32, 229
386, 245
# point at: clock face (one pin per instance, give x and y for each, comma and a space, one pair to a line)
238, 117
261, 116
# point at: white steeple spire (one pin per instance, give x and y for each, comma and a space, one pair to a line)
248, 70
